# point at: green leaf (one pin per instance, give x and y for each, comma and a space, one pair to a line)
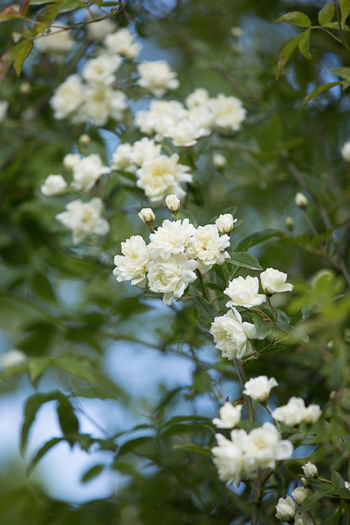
338, 481
344, 10
19, 53
335, 25
304, 44
244, 260
77, 366
326, 14
42, 451
192, 447
42, 287
295, 18
213, 286
184, 214
94, 392
342, 72
37, 366
69, 422
258, 238
92, 473
263, 327
286, 53
318, 91
310, 502
206, 310
70, 5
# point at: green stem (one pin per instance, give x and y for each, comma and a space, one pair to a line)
340, 26
273, 308
200, 277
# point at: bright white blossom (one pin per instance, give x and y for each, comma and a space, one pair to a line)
146, 215
84, 219
53, 185
101, 103
207, 247
172, 203
300, 494
244, 292
231, 335
229, 416
225, 223
97, 31
274, 281
285, 509
171, 277
312, 414
229, 460
3, 109
310, 470
185, 133
301, 201
122, 42
122, 158
170, 239
132, 265
345, 151
12, 358
70, 160
68, 97
101, 70
199, 97
259, 388
145, 149
157, 77
228, 113
219, 161
294, 412
56, 44
87, 171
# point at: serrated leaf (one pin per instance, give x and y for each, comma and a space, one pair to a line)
304, 44
258, 238
286, 53
19, 53
92, 473
296, 18
318, 91
77, 366
344, 10
192, 447
244, 260
42, 451
326, 14
263, 327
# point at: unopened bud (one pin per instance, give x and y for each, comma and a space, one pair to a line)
71, 160
225, 223
285, 509
289, 223
172, 203
310, 470
219, 161
301, 201
345, 151
84, 140
147, 215
300, 494
25, 88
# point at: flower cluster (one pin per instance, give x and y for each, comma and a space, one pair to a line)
169, 262
295, 411
55, 43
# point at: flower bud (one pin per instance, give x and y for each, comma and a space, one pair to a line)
71, 160
53, 185
310, 470
300, 494
345, 151
347, 485
147, 215
285, 509
289, 223
172, 203
219, 161
25, 88
84, 139
301, 201
225, 223
236, 31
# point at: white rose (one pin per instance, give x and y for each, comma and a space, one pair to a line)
157, 77
310, 470
3, 109
300, 494
118, 104
84, 219
101, 103
228, 113
274, 281
228, 459
68, 97
122, 158
132, 265
345, 151
231, 335
244, 292
97, 31
263, 447
202, 117
12, 358
101, 70
122, 42
301, 201
55, 43
208, 247
70, 160
184, 134
225, 223
285, 509
229, 416
170, 239
172, 203
292, 413
219, 161
199, 97
87, 171
145, 149
312, 414
53, 185
259, 388
147, 215
171, 277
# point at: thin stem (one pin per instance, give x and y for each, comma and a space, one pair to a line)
267, 318
311, 224
200, 277
248, 402
273, 308
278, 426
340, 26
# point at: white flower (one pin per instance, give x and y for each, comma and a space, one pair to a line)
161, 176
345, 151
229, 460
199, 97
219, 161
68, 97
12, 358
347, 485
202, 117
161, 117
122, 158
310, 470
300, 494
185, 133
87, 171
171, 277
244, 292
312, 414
3, 109
236, 31
84, 218
97, 31
263, 447
147, 215
118, 104
70, 160
157, 77
293, 413
228, 113
231, 335
53, 185
274, 281
145, 149
132, 265
301, 201
259, 388
285, 509
225, 223
55, 43
101, 70
122, 42
208, 247
229, 416
170, 239
172, 203
102, 102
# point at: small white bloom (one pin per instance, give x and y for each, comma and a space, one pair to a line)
236, 31
310, 470
225, 223
259, 388
97, 31
228, 113
53, 185
293, 413
244, 292
208, 247
301, 201
171, 238
55, 43
12, 358
231, 335
145, 149
184, 133
147, 215
219, 161
132, 265
3, 109
199, 97
122, 158
285, 509
171, 277
312, 414
122, 42
347, 485
229, 416
229, 460
157, 77
70, 160
102, 69
263, 447
345, 151
172, 203
68, 97
101, 103
274, 281
84, 139
84, 219
87, 171
300, 494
